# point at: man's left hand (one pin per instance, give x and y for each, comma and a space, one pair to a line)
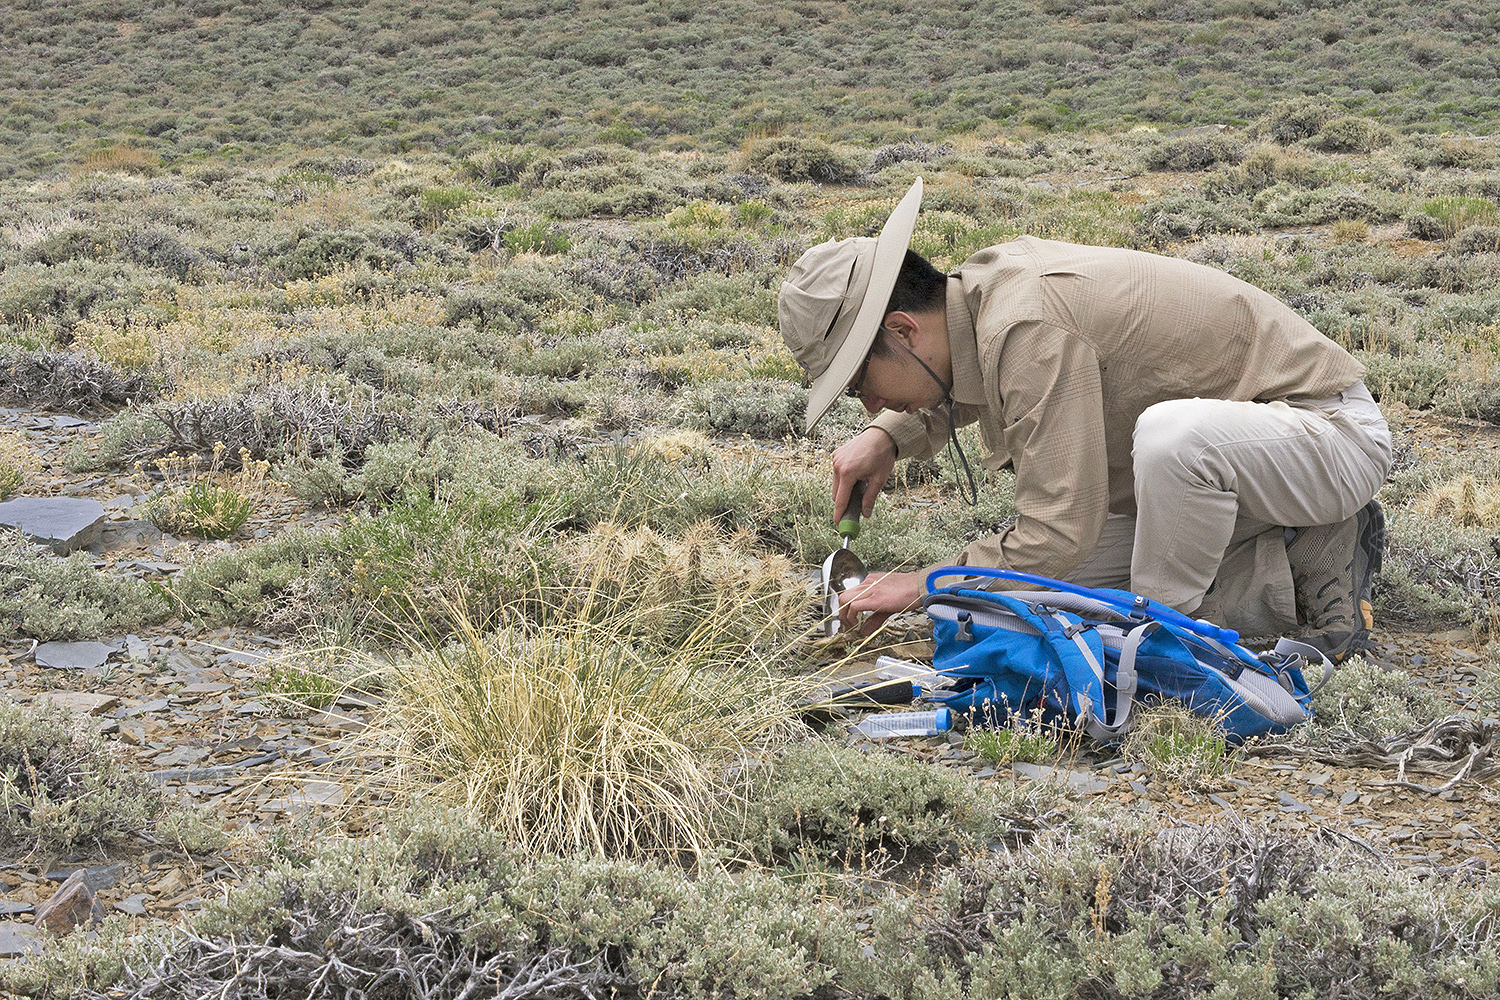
881, 595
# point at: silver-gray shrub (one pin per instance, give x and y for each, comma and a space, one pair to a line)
272, 422
75, 383
61, 785
47, 597
1113, 907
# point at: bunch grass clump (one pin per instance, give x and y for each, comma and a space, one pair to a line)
677, 582
572, 736
17, 464
1177, 745
205, 509
1465, 501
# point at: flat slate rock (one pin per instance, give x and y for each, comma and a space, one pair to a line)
65, 523
18, 939
73, 655
97, 878
78, 701
1076, 780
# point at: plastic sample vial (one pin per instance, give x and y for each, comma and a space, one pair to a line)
889, 724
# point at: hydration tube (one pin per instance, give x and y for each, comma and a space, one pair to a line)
1121, 600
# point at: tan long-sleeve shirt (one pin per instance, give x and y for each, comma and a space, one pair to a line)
1057, 349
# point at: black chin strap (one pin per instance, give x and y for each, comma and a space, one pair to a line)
972, 497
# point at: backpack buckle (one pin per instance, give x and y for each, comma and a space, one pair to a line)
1140, 609
965, 633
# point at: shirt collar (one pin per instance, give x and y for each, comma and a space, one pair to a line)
968, 382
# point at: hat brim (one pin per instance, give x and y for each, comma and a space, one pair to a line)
890, 251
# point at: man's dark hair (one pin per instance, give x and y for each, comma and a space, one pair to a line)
920, 287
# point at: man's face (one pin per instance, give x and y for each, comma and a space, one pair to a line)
896, 381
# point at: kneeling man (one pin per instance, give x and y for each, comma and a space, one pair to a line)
1174, 431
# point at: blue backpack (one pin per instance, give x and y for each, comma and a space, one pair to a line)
1084, 656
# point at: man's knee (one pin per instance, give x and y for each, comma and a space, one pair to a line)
1167, 437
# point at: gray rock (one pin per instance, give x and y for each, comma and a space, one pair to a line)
18, 939
133, 905
101, 877
1078, 781
65, 523
180, 756
1290, 804
11, 908
73, 655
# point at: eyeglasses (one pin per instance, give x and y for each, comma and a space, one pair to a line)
852, 390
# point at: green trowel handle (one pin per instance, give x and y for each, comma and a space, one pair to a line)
849, 523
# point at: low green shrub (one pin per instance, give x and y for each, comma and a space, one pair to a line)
789, 158
448, 906
1179, 216
1477, 239
425, 564
1352, 134
823, 806
1294, 119
1112, 906
62, 785
1410, 380
1196, 152
46, 597
1373, 701
761, 410
293, 581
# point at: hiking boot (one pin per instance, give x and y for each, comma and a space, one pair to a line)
1333, 568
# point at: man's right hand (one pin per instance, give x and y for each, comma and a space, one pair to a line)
869, 456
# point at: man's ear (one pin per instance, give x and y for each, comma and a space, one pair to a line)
901, 325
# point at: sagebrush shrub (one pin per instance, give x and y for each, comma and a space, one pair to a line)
792, 159
62, 784
46, 597
75, 383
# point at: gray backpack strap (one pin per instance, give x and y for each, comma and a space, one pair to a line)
1302, 656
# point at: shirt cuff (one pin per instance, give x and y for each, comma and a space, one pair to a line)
908, 431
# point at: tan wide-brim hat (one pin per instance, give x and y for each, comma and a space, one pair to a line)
832, 302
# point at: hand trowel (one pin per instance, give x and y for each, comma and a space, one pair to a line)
843, 569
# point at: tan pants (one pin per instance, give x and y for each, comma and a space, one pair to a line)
1217, 483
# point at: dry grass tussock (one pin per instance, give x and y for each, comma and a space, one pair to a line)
677, 584
1465, 501
578, 734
